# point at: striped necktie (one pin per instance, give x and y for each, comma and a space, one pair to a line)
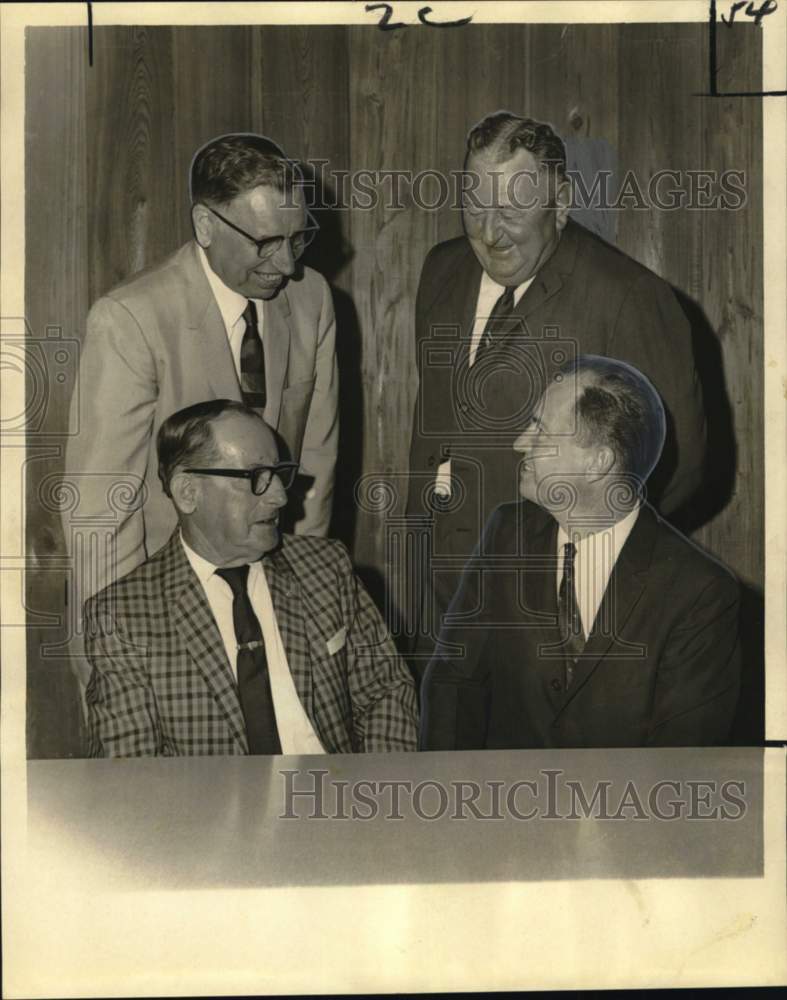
496, 327
254, 688
569, 620
252, 362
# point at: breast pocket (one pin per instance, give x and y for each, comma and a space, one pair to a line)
295, 402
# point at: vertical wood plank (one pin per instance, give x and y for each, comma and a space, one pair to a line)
393, 125
213, 84
131, 207
730, 290
659, 130
56, 298
572, 82
732, 296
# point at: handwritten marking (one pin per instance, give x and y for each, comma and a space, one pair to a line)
441, 24
767, 7
385, 23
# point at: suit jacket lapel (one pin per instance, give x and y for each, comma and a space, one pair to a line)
624, 590
549, 279
541, 594
285, 592
459, 310
194, 622
276, 339
210, 345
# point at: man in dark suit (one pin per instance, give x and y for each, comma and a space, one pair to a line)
498, 311
234, 638
232, 314
584, 619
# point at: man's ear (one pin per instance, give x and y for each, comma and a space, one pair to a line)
185, 492
562, 203
602, 462
203, 223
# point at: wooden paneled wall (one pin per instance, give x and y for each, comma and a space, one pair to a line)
108, 153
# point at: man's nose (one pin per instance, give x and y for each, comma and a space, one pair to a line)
284, 258
491, 229
523, 442
275, 495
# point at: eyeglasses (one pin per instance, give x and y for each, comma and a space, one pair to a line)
269, 245
260, 477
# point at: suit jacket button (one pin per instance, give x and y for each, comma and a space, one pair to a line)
556, 685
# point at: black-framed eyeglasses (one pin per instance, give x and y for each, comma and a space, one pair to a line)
260, 477
268, 245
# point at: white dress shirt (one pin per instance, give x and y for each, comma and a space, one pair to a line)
594, 561
488, 294
296, 733
232, 306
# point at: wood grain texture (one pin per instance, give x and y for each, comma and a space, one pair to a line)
56, 301
572, 82
731, 293
393, 126
131, 180
212, 95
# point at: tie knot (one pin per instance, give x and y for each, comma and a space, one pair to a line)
507, 298
236, 577
250, 314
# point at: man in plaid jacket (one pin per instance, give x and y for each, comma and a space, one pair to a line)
173, 670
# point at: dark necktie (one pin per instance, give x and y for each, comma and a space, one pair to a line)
253, 682
252, 362
569, 620
496, 327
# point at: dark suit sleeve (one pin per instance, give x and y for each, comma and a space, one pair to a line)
382, 690
421, 447
122, 715
454, 691
653, 334
698, 678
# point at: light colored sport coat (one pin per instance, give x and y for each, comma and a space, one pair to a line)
162, 684
156, 344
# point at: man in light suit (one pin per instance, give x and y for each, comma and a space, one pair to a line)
234, 638
584, 619
230, 314
498, 311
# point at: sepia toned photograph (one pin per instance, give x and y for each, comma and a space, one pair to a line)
393, 496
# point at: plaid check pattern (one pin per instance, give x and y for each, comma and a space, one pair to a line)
161, 683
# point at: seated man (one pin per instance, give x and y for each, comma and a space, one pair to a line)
232, 638
584, 619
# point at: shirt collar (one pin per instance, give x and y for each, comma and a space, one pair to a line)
620, 532
201, 567
231, 304
492, 288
